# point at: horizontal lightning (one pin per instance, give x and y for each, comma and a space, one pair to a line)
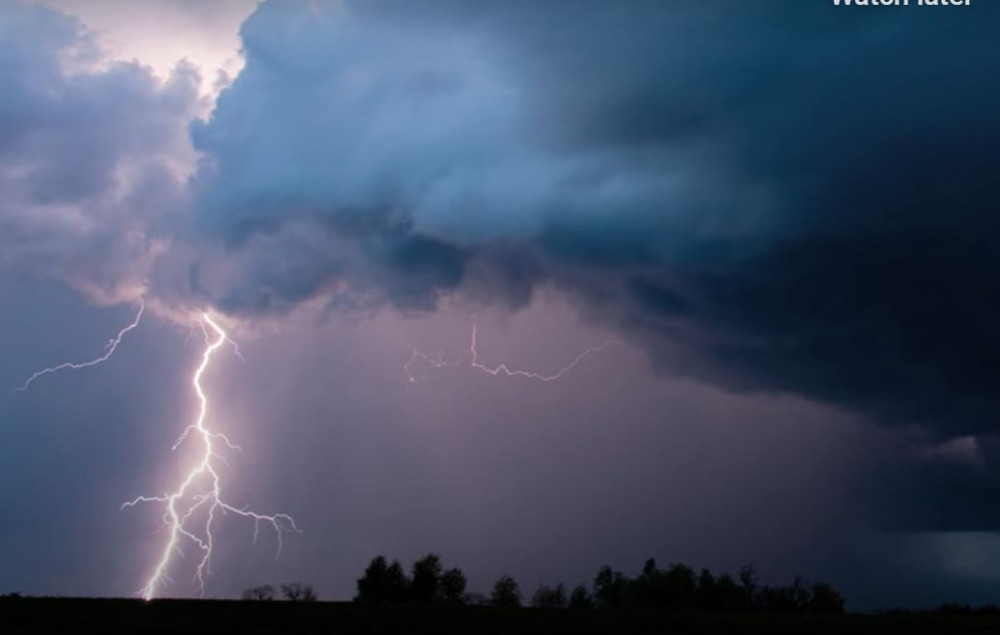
437, 360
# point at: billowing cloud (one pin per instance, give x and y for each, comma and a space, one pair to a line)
92, 163
772, 198
754, 203
162, 33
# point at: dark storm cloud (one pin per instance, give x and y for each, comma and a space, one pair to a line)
950, 487
777, 196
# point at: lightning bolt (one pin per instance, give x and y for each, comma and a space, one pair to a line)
192, 508
437, 360
109, 350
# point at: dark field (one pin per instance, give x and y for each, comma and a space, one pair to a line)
184, 617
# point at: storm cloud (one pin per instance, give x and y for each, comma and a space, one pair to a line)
754, 202
770, 197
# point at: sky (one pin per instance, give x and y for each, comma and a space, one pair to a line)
782, 213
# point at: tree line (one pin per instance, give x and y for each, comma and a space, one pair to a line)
293, 592
676, 587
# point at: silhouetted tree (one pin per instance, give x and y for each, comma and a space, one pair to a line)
750, 584
778, 599
453, 586
678, 586
609, 587
707, 593
547, 597
580, 598
259, 593
649, 588
506, 593
383, 582
373, 585
675, 587
825, 599
786, 599
801, 595
475, 599
298, 592
397, 587
426, 582
728, 594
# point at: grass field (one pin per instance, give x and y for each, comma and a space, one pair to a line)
185, 617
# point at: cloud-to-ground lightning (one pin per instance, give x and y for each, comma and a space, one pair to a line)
192, 508
437, 360
109, 350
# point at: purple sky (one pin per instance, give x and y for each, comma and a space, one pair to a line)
795, 248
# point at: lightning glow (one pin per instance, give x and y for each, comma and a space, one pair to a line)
437, 360
109, 350
192, 508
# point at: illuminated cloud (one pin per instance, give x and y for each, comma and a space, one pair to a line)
161, 33
92, 164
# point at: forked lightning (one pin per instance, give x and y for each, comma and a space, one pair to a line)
192, 508
191, 511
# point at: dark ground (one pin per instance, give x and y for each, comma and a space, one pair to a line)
188, 617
